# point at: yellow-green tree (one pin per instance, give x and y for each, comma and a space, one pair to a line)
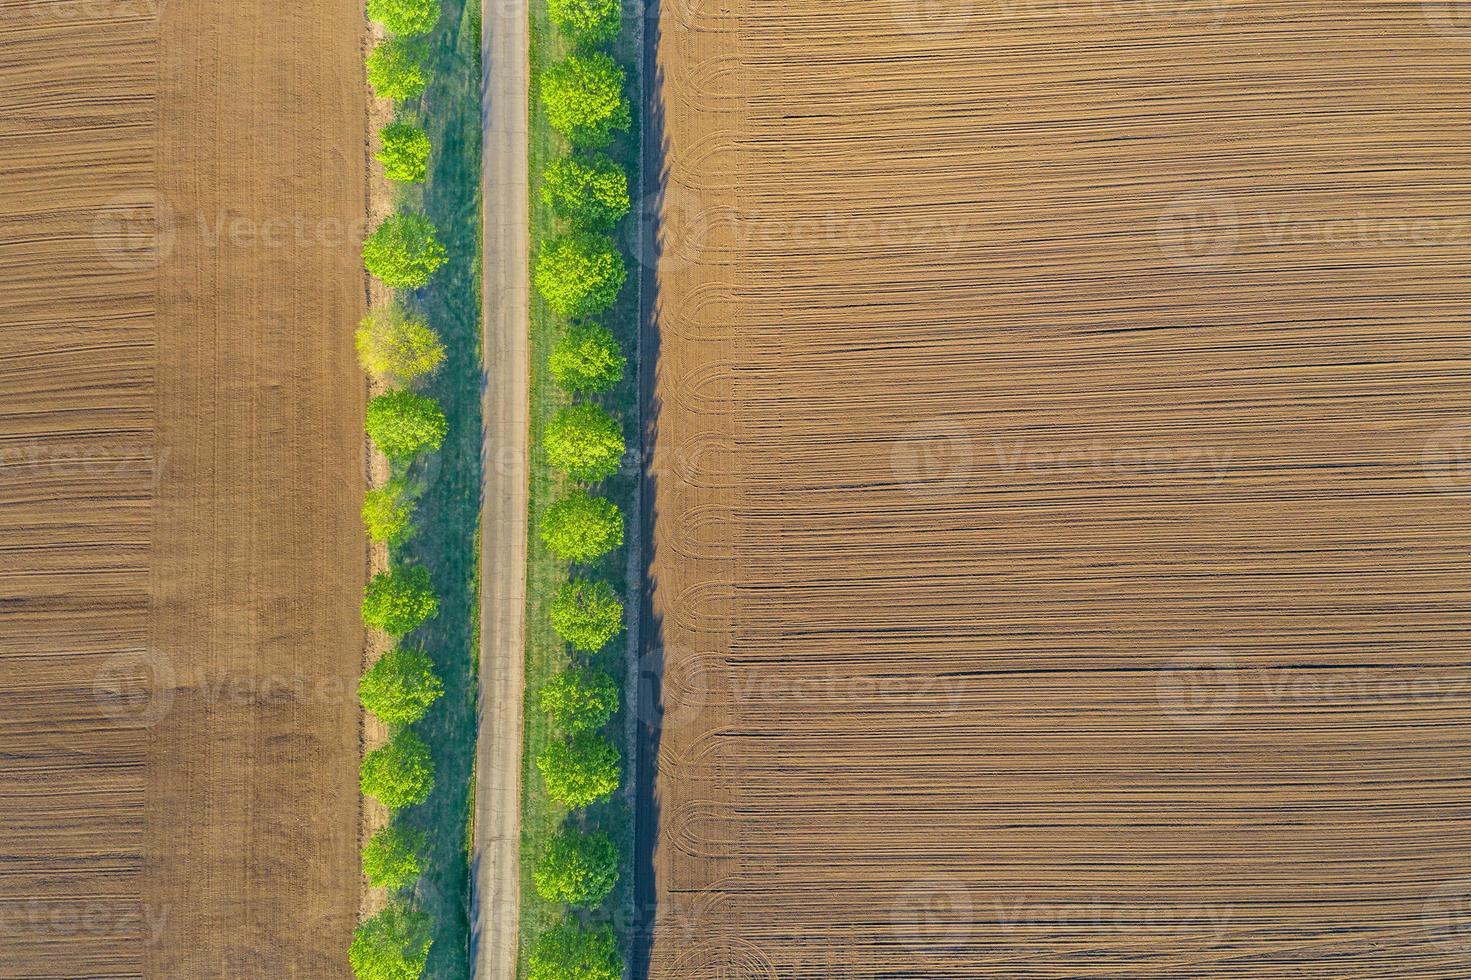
397, 346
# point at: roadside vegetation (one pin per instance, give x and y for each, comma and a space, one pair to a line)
423, 349
576, 832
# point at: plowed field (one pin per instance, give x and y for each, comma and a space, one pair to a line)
1060, 429
180, 465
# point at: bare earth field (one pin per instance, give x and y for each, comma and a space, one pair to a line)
181, 461
1060, 424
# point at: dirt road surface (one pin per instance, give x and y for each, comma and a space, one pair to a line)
497, 884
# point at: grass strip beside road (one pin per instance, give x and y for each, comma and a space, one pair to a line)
449, 511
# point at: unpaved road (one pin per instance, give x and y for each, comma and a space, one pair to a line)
497, 885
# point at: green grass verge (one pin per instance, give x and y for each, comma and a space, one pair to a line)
449, 510
546, 654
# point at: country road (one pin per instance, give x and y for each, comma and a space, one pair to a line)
504, 110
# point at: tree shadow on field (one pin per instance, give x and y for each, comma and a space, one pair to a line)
449, 508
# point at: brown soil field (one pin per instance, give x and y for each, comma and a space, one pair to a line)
1059, 431
181, 457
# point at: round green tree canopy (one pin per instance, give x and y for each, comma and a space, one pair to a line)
399, 773
580, 274
403, 424
580, 700
585, 442
581, 770
405, 152
401, 686
392, 858
406, 17
388, 512
398, 346
569, 952
404, 251
399, 600
584, 99
587, 614
577, 869
587, 358
587, 22
396, 69
581, 527
392, 945
590, 191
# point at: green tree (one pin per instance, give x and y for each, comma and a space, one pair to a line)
403, 424
393, 857
406, 17
580, 274
580, 700
392, 945
396, 69
388, 512
581, 527
584, 99
585, 442
399, 600
399, 773
581, 770
569, 952
404, 251
577, 869
401, 686
587, 614
587, 359
405, 152
397, 346
587, 22
591, 192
